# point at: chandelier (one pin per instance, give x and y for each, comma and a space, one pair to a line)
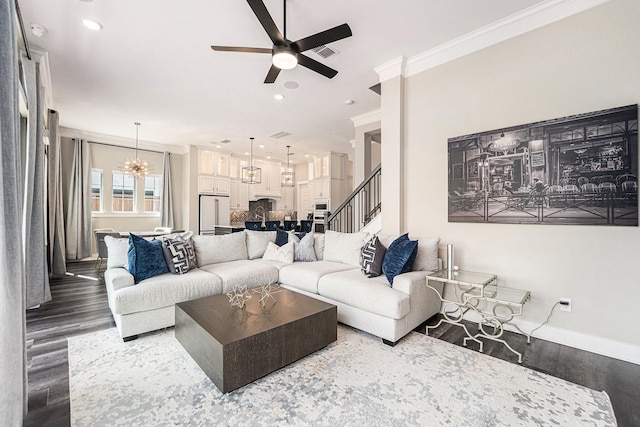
137, 168
251, 174
288, 177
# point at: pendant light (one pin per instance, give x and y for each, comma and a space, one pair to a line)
288, 178
251, 174
136, 167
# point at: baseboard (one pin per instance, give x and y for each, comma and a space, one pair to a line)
594, 344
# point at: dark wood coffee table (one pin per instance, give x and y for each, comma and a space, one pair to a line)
235, 346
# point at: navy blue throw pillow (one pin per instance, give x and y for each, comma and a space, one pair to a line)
146, 258
399, 257
282, 237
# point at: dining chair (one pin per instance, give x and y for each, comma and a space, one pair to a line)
101, 246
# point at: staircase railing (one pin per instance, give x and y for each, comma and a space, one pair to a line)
360, 207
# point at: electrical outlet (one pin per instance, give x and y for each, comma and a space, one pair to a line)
565, 304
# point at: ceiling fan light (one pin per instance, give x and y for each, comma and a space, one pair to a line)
284, 60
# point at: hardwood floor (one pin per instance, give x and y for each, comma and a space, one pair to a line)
79, 306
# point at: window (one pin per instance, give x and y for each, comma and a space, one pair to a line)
123, 189
96, 190
152, 193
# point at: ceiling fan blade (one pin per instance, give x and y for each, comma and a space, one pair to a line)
314, 65
272, 75
324, 37
266, 21
241, 49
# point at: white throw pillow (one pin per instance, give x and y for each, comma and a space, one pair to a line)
303, 248
257, 242
117, 249
344, 247
282, 253
427, 257
318, 245
223, 248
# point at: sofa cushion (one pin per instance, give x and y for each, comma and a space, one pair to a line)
305, 275
303, 247
344, 247
399, 257
117, 250
371, 257
243, 272
257, 242
373, 295
283, 254
179, 254
223, 248
145, 258
164, 290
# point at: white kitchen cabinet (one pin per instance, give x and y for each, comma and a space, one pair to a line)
329, 165
288, 200
269, 185
213, 185
322, 188
214, 163
239, 195
237, 164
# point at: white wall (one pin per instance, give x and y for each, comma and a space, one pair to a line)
585, 63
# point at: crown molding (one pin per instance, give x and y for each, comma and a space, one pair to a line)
539, 15
391, 69
121, 141
367, 118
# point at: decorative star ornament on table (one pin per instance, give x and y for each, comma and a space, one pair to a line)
266, 291
239, 296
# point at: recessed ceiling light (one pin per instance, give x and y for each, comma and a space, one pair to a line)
261, 145
348, 101
268, 157
246, 153
291, 85
278, 97
92, 25
218, 146
306, 155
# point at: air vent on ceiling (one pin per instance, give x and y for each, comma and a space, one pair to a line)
324, 51
279, 135
225, 141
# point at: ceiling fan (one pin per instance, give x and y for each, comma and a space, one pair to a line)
286, 54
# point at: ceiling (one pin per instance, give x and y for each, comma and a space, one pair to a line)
152, 63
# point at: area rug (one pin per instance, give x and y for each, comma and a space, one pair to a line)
356, 381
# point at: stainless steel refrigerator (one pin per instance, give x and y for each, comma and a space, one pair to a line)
214, 210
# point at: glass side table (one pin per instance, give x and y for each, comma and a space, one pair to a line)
479, 292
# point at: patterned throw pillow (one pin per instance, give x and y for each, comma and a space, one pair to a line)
371, 257
400, 257
303, 247
179, 255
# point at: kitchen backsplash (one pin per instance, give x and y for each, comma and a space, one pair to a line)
239, 217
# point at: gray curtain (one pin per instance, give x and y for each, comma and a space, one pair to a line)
57, 261
12, 303
37, 279
166, 211
78, 225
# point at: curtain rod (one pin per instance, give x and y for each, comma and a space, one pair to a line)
126, 148
24, 34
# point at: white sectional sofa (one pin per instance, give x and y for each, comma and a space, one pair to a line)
369, 304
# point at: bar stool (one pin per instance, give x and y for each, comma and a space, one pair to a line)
253, 225
290, 225
306, 226
271, 225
